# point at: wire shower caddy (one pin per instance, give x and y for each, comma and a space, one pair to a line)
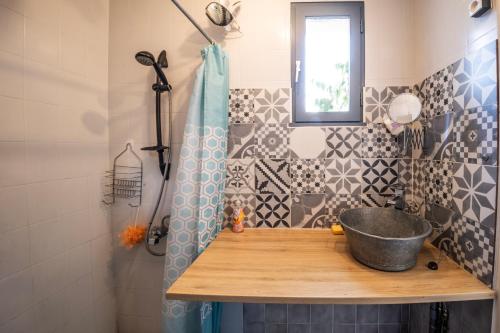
124, 181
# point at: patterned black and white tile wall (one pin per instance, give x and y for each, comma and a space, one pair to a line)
455, 159
299, 177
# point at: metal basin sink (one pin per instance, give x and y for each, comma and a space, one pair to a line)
384, 238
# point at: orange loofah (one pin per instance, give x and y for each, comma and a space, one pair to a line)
132, 235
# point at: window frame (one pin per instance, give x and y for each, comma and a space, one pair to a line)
299, 12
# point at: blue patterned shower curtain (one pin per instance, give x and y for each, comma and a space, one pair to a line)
198, 202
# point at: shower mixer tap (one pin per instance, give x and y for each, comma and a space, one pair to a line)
156, 233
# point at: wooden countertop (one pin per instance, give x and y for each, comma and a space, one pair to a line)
305, 266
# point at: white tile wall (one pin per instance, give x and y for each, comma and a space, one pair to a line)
48, 314
12, 115
12, 78
42, 41
42, 207
42, 82
53, 152
25, 322
43, 122
78, 262
14, 251
11, 31
49, 276
17, 294
47, 239
13, 163
13, 208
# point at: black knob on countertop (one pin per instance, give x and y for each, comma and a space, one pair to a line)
432, 265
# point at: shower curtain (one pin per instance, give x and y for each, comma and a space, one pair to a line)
197, 206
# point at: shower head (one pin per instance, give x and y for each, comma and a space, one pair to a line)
145, 58
218, 14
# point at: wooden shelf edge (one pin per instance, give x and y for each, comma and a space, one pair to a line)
340, 300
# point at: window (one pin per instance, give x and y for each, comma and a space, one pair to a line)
327, 62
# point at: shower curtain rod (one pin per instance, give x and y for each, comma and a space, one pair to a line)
190, 18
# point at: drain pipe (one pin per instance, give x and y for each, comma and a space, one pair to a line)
438, 318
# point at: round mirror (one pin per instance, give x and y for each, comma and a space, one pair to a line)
218, 14
405, 109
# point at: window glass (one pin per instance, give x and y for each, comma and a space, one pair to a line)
327, 62
327, 65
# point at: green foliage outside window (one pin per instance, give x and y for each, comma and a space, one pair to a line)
336, 97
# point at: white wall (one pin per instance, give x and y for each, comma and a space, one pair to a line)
259, 59
389, 43
445, 32
54, 236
